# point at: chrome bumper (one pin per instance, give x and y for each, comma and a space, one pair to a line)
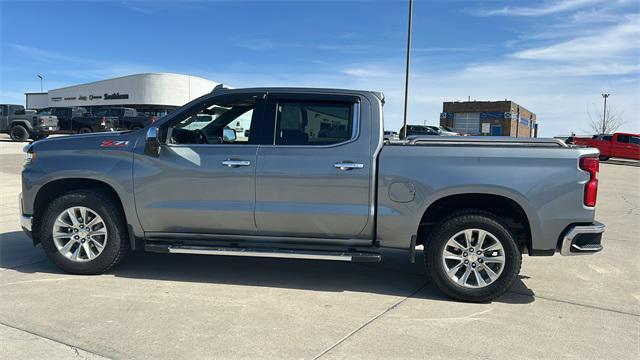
582, 239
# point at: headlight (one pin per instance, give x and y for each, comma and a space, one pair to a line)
29, 158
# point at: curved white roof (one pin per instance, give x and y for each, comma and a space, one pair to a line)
144, 89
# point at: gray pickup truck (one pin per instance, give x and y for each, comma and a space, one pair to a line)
310, 178
22, 124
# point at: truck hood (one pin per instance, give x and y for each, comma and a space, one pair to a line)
122, 140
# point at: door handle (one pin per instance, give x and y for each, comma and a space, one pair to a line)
345, 165
236, 163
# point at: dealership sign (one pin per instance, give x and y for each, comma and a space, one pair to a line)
116, 96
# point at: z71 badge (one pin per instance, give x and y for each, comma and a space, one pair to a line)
114, 143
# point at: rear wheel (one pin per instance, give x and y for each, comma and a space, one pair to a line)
603, 158
84, 130
473, 256
19, 133
84, 232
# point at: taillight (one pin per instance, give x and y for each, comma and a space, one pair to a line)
590, 165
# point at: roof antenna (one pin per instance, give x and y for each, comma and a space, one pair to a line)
403, 135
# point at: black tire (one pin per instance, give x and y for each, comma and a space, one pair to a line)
136, 128
19, 133
603, 158
84, 130
40, 136
472, 219
116, 246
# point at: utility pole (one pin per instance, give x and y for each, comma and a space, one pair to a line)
403, 135
518, 121
604, 114
41, 88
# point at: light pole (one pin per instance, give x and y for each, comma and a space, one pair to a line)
41, 78
604, 113
403, 135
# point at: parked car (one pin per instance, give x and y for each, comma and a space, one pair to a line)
292, 191
391, 136
123, 118
420, 130
448, 131
619, 145
441, 130
69, 119
22, 124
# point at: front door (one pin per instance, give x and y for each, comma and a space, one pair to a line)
204, 178
314, 181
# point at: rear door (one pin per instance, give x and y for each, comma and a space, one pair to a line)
314, 180
624, 146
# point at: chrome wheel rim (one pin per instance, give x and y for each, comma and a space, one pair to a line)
473, 258
79, 234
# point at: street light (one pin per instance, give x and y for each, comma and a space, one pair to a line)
604, 113
41, 78
403, 134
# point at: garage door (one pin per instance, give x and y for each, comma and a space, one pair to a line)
467, 123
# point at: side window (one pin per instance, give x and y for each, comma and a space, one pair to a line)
101, 113
313, 123
623, 138
607, 137
220, 123
635, 140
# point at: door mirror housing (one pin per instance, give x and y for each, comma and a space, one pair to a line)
228, 135
152, 143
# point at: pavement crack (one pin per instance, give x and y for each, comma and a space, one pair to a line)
395, 305
75, 349
633, 206
575, 303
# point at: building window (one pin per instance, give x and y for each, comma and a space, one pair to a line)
467, 123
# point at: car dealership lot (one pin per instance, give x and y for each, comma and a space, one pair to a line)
157, 305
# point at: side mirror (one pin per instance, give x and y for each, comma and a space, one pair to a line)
228, 135
152, 143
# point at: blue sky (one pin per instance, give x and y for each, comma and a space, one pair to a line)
553, 57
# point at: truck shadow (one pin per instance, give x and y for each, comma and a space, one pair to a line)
394, 275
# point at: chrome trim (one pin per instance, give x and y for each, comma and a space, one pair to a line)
348, 165
236, 163
256, 253
566, 245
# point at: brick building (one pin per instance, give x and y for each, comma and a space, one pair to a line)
490, 118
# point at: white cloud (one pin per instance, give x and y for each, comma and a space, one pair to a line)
611, 43
547, 8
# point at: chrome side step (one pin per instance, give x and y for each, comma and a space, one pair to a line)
270, 253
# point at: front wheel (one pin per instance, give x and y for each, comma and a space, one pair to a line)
84, 130
84, 232
19, 133
473, 256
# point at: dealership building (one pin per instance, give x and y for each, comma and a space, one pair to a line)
152, 93
490, 118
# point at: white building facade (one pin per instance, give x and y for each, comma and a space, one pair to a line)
140, 91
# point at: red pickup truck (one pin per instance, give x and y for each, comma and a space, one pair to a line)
619, 145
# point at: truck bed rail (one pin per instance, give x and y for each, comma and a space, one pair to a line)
492, 141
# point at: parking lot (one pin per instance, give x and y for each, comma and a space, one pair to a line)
185, 306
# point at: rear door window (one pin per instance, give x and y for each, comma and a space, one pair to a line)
313, 122
623, 138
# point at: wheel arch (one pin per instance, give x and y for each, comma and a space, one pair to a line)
55, 188
506, 208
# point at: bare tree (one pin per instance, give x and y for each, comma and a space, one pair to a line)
599, 121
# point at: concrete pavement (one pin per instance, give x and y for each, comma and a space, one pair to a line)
181, 306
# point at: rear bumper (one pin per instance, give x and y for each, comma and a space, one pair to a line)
582, 239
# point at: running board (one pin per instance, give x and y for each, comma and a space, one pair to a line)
268, 253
